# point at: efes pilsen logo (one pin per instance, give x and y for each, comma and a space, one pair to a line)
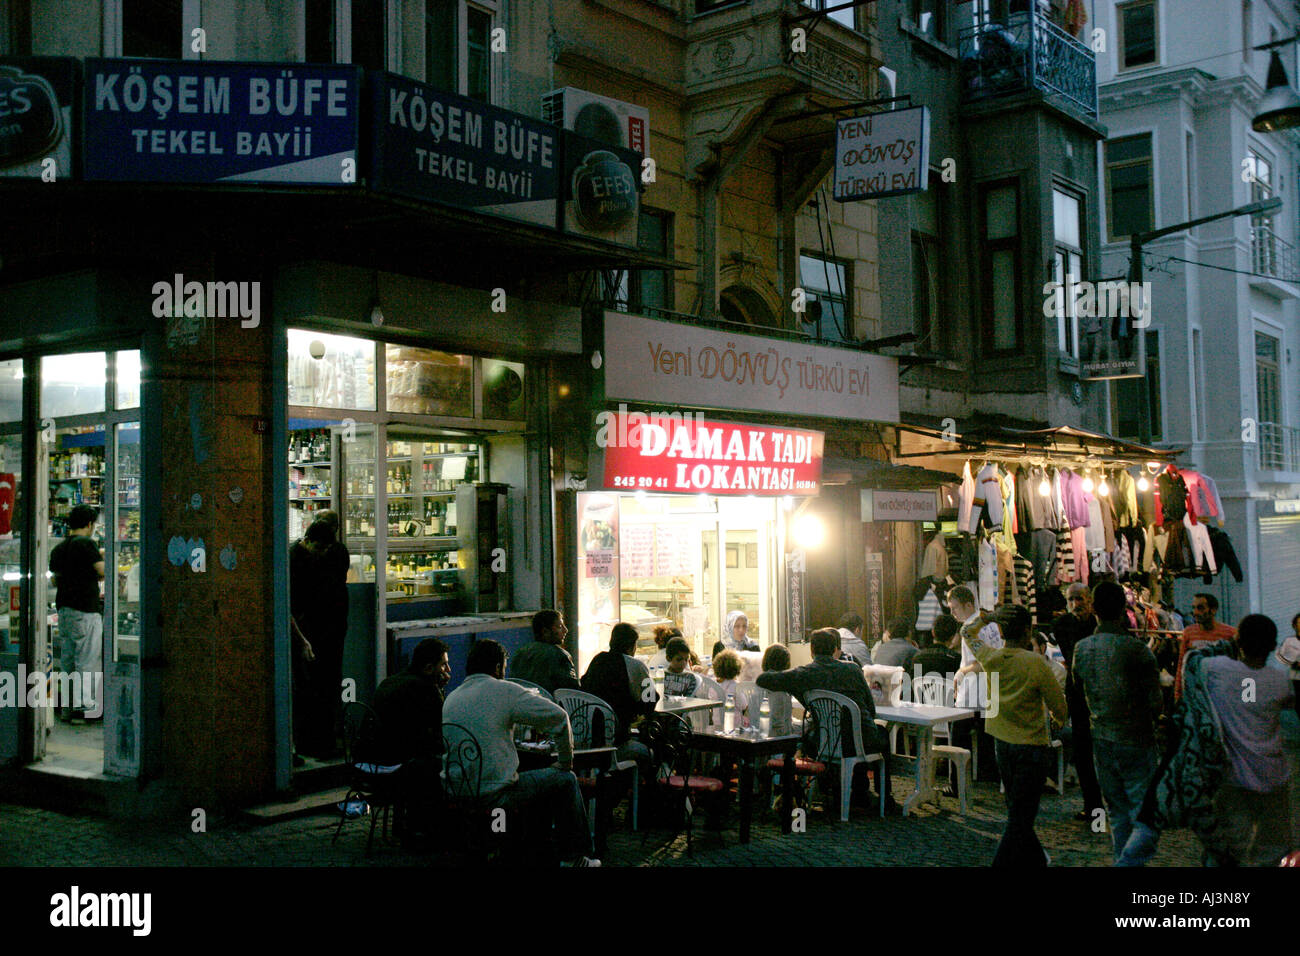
604, 192
30, 120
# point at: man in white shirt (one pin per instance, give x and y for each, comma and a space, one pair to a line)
851, 642
489, 707
961, 601
1249, 697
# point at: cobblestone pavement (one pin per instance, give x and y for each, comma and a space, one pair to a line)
930, 837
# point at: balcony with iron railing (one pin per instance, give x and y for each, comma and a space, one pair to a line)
1027, 51
1279, 447
1272, 256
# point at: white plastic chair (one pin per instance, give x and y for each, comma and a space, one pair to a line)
709, 689
754, 700
825, 739
583, 709
936, 690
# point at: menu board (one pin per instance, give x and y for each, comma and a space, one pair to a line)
638, 551
673, 551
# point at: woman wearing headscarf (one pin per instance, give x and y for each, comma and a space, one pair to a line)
736, 633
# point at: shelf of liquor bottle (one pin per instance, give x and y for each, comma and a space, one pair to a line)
311, 464
445, 542
311, 497
77, 478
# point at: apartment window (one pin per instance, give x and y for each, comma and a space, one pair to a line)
1000, 269
1200, 427
16, 29
637, 289
152, 28
928, 264
320, 32
827, 281
1126, 393
843, 17
1137, 34
458, 47
929, 16
1268, 392
1068, 267
369, 34
1129, 193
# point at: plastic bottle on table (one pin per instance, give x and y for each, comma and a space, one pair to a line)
729, 714
765, 718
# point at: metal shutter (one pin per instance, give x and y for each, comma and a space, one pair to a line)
1279, 552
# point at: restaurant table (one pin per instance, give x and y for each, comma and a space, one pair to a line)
600, 760
746, 749
684, 705
925, 717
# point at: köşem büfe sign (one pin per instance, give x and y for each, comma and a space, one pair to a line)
882, 154
441, 147
36, 115
202, 122
672, 454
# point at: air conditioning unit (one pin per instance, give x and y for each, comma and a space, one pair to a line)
598, 117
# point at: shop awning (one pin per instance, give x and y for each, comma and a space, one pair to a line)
883, 474
1064, 442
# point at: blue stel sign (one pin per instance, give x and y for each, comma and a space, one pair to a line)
183, 121
440, 147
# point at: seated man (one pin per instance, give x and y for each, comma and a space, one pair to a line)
680, 680
824, 672
545, 662
896, 650
938, 655
851, 642
489, 707
623, 682
409, 707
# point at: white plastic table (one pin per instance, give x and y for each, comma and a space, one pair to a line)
925, 717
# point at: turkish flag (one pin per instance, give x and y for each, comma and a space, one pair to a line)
7, 485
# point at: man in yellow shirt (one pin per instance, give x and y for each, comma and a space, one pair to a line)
1021, 685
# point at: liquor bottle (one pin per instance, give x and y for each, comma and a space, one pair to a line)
729, 714
765, 718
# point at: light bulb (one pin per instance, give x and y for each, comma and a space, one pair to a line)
1103, 489
1087, 484
1044, 487
1143, 484
596, 360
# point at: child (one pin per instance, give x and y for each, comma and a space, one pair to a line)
679, 681
726, 669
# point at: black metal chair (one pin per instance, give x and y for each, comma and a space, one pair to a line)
374, 785
669, 738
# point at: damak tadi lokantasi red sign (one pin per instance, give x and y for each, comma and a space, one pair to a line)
676, 453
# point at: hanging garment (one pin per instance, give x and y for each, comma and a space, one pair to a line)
1157, 541
1124, 493
1006, 573
1095, 533
1025, 583
1146, 503
1212, 493
1010, 521
1199, 501
1121, 557
1064, 558
1224, 554
1041, 553
1099, 562
1173, 496
1108, 519
1074, 500
934, 564
1202, 548
988, 498
1079, 550
965, 499
1028, 518
927, 610
988, 579
1178, 549
963, 562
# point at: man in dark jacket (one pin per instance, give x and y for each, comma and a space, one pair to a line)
545, 662
409, 707
824, 672
623, 682
1068, 630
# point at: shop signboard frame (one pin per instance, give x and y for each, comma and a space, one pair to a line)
37, 94
487, 159
882, 154
210, 121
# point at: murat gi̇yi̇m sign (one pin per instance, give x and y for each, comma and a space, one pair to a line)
204, 122
440, 147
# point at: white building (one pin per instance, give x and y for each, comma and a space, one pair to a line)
1179, 84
